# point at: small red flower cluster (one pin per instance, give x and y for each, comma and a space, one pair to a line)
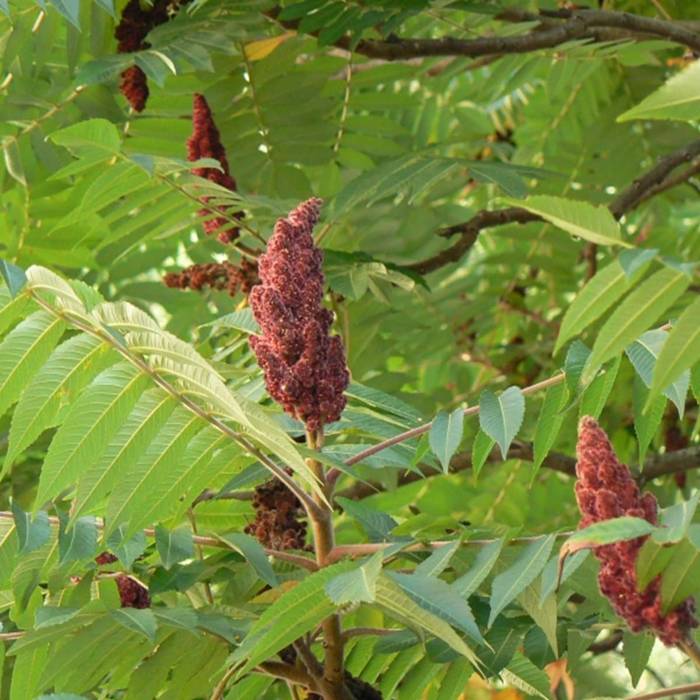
131, 593
221, 276
304, 366
277, 512
605, 489
205, 142
134, 25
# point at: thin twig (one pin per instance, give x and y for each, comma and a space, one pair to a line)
360, 550
334, 474
647, 185
296, 559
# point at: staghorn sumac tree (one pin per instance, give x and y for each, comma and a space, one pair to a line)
327, 330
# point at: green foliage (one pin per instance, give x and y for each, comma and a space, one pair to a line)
507, 226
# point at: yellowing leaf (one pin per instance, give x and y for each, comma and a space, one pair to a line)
257, 50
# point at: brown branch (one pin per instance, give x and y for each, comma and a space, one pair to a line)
607, 644
671, 462
655, 465
679, 691
555, 29
332, 681
288, 673
630, 197
469, 233
647, 185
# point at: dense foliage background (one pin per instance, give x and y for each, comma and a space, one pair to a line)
511, 190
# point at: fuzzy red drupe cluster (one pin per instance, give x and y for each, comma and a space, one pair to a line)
304, 366
605, 489
134, 25
132, 594
220, 276
205, 142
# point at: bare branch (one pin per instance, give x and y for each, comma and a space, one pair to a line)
555, 28
647, 185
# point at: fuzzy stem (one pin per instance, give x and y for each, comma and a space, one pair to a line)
324, 541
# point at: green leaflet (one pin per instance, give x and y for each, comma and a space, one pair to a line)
634, 315
644, 353
400, 606
596, 394
680, 351
548, 424
253, 551
646, 424
439, 598
524, 675
293, 614
12, 308
511, 582
481, 449
71, 367
598, 295
123, 452
678, 98
592, 223
481, 566
90, 424
455, 679
636, 649
15, 277
446, 434
146, 481
681, 575
23, 351
358, 585
91, 134
500, 417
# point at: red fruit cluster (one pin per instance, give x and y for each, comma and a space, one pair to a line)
134, 25
205, 142
605, 489
221, 276
304, 366
131, 593
277, 512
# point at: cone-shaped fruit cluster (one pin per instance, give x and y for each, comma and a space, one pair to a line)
132, 594
605, 489
205, 142
304, 366
135, 23
220, 276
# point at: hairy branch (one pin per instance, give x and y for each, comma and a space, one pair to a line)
653, 182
